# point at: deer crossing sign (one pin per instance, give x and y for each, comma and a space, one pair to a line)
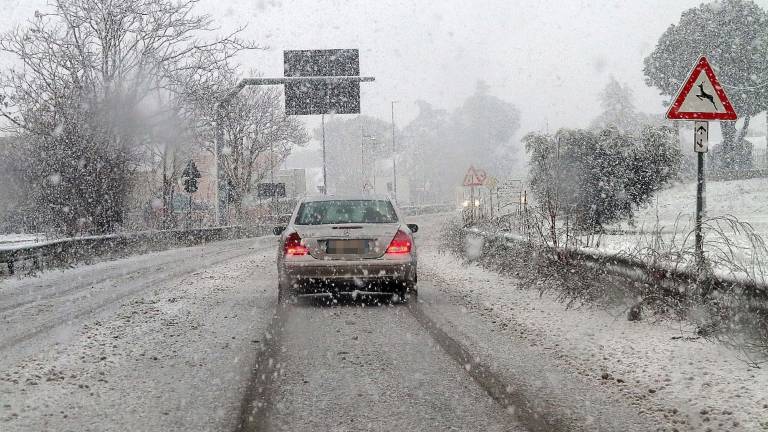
701, 97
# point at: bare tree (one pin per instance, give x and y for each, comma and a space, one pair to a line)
84, 94
258, 136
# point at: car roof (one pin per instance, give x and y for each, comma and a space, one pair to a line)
361, 197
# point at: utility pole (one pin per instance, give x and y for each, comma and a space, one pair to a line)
394, 153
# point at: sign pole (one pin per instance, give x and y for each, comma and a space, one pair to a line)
490, 198
472, 204
700, 209
471, 179
700, 145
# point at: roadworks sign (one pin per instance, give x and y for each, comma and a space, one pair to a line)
475, 177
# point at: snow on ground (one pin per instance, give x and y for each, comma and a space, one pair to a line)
745, 199
673, 211
658, 367
175, 355
676, 206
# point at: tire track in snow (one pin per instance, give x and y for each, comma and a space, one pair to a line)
494, 384
258, 401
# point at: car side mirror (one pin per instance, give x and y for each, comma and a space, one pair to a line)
278, 230
413, 227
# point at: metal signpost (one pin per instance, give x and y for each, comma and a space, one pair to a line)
316, 82
508, 193
491, 183
474, 177
316, 97
701, 98
189, 177
270, 190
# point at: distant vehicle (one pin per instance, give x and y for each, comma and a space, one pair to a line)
346, 245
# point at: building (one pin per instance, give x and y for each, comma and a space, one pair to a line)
295, 181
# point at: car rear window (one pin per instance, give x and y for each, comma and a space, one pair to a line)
346, 211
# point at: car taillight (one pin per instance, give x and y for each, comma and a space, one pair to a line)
401, 244
293, 245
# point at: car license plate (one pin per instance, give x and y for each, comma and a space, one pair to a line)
347, 247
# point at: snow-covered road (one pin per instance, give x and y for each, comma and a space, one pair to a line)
163, 341
188, 340
375, 368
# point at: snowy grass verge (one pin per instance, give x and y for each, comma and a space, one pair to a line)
730, 311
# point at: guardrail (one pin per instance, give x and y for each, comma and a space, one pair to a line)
661, 274
70, 250
427, 209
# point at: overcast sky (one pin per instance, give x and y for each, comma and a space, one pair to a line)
549, 58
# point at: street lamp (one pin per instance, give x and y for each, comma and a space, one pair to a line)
394, 153
363, 137
372, 139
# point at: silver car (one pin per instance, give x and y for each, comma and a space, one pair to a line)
346, 245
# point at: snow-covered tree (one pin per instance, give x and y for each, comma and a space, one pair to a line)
616, 100
426, 139
81, 91
600, 177
481, 131
12, 207
442, 145
734, 36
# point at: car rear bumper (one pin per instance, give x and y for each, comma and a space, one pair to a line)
321, 276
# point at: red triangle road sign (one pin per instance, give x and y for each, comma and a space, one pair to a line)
474, 177
471, 177
701, 97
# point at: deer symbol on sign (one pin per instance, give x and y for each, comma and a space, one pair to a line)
704, 95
